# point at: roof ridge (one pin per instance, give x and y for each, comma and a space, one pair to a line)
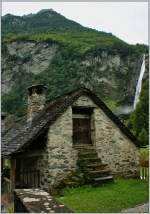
82, 88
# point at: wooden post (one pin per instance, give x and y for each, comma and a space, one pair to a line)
13, 173
2, 163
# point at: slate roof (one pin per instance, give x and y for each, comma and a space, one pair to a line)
22, 134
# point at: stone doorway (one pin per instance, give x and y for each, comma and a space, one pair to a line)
81, 127
27, 173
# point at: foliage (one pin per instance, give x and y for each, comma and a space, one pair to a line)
144, 153
144, 157
6, 172
80, 41
122, 194
43, 21
138, 121
10, 209
112, 104
91, 42
15, 101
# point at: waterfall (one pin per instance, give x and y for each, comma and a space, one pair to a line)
139, 84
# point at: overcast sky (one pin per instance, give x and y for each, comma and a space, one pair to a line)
127, 20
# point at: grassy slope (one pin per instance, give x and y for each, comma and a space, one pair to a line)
109, 198
80, 41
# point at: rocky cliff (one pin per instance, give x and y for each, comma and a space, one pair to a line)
22, 58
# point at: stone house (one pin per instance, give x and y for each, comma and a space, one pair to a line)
76, 132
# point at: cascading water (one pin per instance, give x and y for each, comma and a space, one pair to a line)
139, 84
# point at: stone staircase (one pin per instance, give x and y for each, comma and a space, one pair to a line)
95, 172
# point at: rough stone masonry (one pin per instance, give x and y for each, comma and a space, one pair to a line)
112, 146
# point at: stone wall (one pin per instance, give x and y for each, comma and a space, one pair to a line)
113, 147
61, 155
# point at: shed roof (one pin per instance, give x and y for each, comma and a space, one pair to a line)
22, 134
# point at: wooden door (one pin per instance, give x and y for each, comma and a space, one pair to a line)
81, 131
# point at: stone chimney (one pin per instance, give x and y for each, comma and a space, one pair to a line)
36, 100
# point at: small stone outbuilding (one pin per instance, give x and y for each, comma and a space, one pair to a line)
74, 132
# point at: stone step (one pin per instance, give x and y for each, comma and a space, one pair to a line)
103, 179
90, 159
88, 156
99, 181
71, 183
94, 166
83, 145
83, 148
89, 164
87, 153
98, 173
95, 172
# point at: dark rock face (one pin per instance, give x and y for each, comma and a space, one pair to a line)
116, 75
110, 76
24, 58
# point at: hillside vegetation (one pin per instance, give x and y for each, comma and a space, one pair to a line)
49, 26
83, 57
138, 122
44, 21
81, 42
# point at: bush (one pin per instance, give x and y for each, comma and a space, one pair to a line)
138, 121
6, 172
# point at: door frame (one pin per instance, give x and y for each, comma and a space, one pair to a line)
81, 112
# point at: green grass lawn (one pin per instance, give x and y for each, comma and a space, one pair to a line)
112, 197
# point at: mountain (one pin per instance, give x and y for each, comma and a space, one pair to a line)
44, 21
48, 48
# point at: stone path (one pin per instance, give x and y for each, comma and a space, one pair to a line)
144, 208
37, 201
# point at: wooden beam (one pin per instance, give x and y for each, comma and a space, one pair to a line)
2, 164
29, 154
13, 173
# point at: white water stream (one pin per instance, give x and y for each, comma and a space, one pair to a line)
139, 84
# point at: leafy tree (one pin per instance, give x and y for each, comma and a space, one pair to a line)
138, 121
